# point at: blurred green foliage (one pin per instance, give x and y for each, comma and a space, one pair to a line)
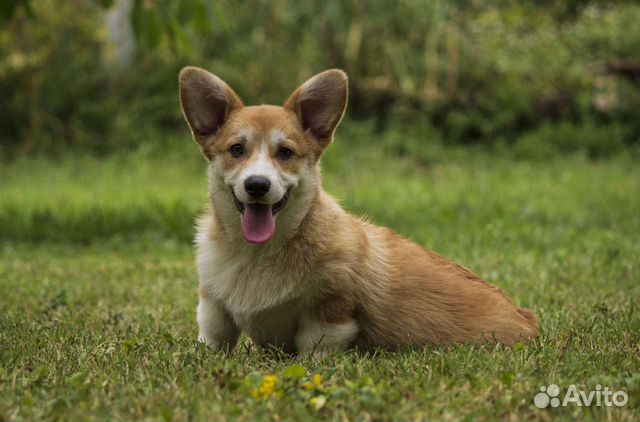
550, 77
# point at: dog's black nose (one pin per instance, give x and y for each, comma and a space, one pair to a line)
257, 186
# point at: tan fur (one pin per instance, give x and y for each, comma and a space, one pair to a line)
326, 277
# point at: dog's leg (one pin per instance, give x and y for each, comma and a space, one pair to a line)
323, 338
217, 328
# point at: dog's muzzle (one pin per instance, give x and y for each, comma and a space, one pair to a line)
275, 208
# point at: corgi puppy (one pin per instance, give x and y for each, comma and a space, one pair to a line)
280, 260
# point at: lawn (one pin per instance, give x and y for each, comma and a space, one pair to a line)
98, 290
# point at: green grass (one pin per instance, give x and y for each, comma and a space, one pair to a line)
98, 290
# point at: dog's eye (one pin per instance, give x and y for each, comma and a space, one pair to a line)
237, 150
284, 153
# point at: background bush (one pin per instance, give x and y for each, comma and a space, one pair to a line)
550, 76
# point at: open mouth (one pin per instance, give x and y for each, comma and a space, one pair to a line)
275, 208
258, 222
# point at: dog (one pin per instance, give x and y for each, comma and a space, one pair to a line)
280, 260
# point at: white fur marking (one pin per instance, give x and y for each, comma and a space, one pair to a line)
261, 166
240, 278
245, 133
277, 137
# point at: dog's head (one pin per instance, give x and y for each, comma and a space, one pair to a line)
262, 159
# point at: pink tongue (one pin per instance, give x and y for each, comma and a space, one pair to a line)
258, 224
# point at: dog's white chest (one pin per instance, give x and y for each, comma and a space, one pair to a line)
263, 300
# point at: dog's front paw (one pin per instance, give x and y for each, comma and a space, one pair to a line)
203, 339
217, 329
320, 339
214, 344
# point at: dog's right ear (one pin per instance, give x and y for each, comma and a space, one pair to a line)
206, 103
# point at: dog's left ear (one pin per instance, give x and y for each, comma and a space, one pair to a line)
320, 103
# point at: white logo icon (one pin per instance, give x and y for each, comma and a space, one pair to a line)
548, 396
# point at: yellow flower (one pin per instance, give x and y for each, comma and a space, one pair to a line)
267, 389
315, 384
